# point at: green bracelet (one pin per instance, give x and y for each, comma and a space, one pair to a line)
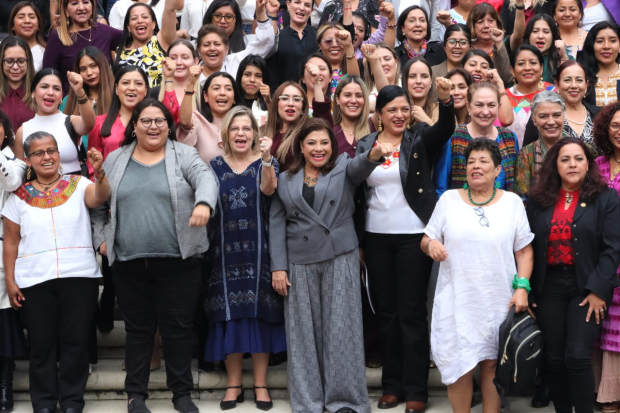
524, 283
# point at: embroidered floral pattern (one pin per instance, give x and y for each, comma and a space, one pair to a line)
52, 198
392, 159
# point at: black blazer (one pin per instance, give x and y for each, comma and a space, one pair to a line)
418, 149
435, 54
596, 242
531, 131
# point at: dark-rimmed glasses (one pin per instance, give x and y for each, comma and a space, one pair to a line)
484, 221
217, 17
453, 43
10, 62
159, 122
40, 154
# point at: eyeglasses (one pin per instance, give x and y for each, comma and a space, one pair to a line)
614, 127
159, 122
40, 154
235, 130
287, 98
329, 42
219, 16
453, 43
484, 221
10, 62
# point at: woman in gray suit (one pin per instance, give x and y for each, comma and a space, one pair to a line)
154, 235
315, 266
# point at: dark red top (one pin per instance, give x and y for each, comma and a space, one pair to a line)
343, 143
15, 108
560, 243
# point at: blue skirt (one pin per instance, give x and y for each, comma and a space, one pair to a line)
248, 335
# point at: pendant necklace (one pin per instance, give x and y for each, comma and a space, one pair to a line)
90, 35
569, 197
46, 187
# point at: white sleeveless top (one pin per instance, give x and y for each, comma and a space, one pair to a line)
55, 125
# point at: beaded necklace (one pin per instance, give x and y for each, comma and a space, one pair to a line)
412, 53
481, 203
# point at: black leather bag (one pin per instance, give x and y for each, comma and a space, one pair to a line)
519, 361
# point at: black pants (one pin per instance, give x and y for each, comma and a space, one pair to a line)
568, 341
59, 315
152, 293
399, 272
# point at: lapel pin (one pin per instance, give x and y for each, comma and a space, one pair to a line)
583, 204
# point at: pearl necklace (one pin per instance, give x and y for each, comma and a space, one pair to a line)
585, 118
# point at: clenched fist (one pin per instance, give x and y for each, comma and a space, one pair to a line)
95, 158
443, 88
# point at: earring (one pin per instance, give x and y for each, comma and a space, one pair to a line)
380, 128
497, 184
60, 170
541, 84
133, 134
465, 186
28, 173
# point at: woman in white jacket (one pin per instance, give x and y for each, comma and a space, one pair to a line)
12, 341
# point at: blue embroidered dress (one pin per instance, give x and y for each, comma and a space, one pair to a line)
246, 315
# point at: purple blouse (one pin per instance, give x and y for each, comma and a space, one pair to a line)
15, 108
61, 57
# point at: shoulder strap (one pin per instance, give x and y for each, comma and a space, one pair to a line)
76, 139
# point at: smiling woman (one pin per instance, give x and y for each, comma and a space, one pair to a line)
542, 32
16, 76
26, 22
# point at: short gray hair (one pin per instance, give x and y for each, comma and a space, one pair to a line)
547, 96
35, 137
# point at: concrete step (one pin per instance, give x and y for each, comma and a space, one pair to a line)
437, 404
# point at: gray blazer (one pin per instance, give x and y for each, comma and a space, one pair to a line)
191, 181
299, 234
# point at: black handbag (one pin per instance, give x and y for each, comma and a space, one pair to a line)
519, 361
77, 140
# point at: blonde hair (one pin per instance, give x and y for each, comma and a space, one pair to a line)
236, 112
66, 38
361, 127
319, 37
369, 78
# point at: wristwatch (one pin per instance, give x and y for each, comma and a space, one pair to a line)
267, 164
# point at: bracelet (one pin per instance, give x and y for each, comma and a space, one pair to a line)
262, 21
100, 175
82, 99
267, 164
189, 92
350, 57
447, 101
520, 7
274, 18
391, 26
502, 94
521, 282
348, 8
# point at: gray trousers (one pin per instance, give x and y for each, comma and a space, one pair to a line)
323, 318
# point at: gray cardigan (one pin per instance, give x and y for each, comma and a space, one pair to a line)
299, 234
191, 182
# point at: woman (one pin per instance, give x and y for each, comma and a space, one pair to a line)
572, 85
295, 42
334, 11
336, 45
16, 77
575, 219
542, 32
326, 369
257, 325
482, 104
461, 80
487, 28
457, 42
350, 115
98, 80
47, 96
418, 81
288, 112
313, 63
363, 34
395, 205
253, 83
77, 30
202, 129
568, 16
459, 236
390, 65
150, 234
606, 131
213, 45
527, 69
51, 270
548, 114
13, 343
119, 11
414, 33
226, 14
143, 44
600, 56
26, 22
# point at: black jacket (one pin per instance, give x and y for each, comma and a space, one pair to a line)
435, 54
596, 243
418, 149
531, 131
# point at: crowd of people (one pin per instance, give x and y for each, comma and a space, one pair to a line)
230, 168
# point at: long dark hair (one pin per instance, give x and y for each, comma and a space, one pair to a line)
587, 57
553, 54
5, 88
205, 108
126, 39
546, 190
8, 138
115, 107
236, 41
260, 63
106, 81
16, 9
313, 125
601, 128
403, 17
148, 102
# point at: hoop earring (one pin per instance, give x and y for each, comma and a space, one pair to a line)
28, 173
380, 128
